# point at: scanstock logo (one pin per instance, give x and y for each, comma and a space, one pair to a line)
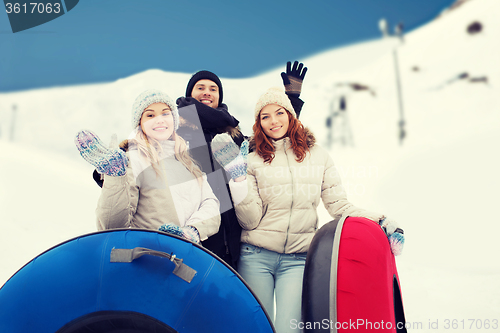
28, 14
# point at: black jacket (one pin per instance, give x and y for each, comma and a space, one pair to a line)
199, 124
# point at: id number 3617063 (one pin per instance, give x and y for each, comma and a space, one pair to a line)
33, 7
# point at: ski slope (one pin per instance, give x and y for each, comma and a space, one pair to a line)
440, 184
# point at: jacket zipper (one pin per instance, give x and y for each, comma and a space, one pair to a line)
291, 205
225, 240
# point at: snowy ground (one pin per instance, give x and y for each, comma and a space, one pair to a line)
441, 184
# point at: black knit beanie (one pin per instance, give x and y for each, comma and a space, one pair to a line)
204, 75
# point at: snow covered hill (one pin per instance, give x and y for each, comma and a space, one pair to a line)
45, 199
440, 184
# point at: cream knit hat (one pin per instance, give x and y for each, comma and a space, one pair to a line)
277, 96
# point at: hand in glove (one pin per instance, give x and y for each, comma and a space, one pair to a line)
112, 162
188, 232
227, 153
394, 234
292, 79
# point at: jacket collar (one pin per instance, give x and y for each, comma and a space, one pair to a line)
281, 142
168, 148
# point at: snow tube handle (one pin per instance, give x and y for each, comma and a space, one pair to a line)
128, 255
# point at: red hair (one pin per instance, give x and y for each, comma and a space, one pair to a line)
296, 133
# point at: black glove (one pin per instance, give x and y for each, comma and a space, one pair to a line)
292, 79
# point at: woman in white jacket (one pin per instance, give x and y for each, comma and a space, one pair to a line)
152, 182
275, 199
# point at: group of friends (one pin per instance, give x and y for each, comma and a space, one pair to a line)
187, 170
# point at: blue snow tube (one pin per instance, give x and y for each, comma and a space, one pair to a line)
128, 281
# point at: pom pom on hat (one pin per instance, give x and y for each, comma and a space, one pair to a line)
277, 96
152, 96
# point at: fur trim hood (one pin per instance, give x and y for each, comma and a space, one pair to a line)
310, 140
124, 145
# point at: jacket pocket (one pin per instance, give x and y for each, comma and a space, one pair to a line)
247, 249
301, 256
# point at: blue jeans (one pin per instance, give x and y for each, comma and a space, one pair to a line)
269, 273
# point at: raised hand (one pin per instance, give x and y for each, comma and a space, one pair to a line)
293, 78
109, 161
232, 158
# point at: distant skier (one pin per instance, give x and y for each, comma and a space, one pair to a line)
337, 123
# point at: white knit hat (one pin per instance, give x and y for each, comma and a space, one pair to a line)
277, 96
148, 97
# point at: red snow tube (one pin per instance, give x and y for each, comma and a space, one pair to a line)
351, 281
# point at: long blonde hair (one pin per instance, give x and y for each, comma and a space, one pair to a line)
150, 149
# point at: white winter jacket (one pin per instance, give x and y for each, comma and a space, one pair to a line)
142, 199
279, 210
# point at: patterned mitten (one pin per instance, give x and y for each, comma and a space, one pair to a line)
227, 153
112, 162
292, 79
394, 234
188, 232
